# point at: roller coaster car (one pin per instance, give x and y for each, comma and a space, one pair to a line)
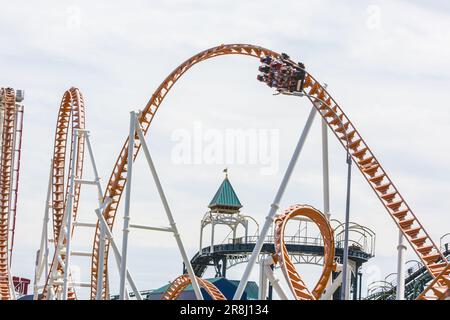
282, 73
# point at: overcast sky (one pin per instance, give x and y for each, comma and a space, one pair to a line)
386, 62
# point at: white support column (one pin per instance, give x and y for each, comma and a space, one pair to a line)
262, 290
94, 166
348, 278
211, 250
325, 170
201, 238
401, 248
331, 289
126, 216
69, 217
275, 284
101, 258
117, 256
273, 280
246, 231
42, 258
274, 207
102, 230
326, 176
63, 251
172, 224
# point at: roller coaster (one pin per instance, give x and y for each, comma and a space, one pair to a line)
11, 123
53, 276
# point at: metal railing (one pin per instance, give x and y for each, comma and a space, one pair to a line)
416, 273
299, 240
358, 249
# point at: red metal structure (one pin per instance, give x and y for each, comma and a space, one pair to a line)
11, 143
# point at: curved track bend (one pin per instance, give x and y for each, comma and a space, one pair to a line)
116, 183
296, 284
180, 283
332, 113
71, 116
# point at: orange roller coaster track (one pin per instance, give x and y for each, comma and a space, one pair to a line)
296, 284
71, 116
71, 113
11, 137
332, 113
180, 283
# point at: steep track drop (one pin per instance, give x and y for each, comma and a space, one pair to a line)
377, 177
332, 113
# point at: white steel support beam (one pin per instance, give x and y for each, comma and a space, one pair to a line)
100, 202
94, 166
268, 262
165, 203
126, 215
118, 258
81, 253
69, 216
101, 258
262, 290
401, 248
275, 283
325, 170
275, 206
84, 224
64, 239
42, 257
347, 279
63, 250
326, 174
331, 289
212, 237
201, 238
162, 229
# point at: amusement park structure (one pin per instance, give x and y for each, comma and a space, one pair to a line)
333, 247
11, 122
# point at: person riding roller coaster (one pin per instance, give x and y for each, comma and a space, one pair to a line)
282, 73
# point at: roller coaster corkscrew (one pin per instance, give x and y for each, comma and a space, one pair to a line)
333, 249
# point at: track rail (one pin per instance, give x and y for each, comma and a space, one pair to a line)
71, 116
116, 183
8, 100
388, 194
71, 113
15, 175
438, 288
331, 112
296, 284
180, 283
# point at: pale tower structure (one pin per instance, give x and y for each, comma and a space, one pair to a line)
225, 209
